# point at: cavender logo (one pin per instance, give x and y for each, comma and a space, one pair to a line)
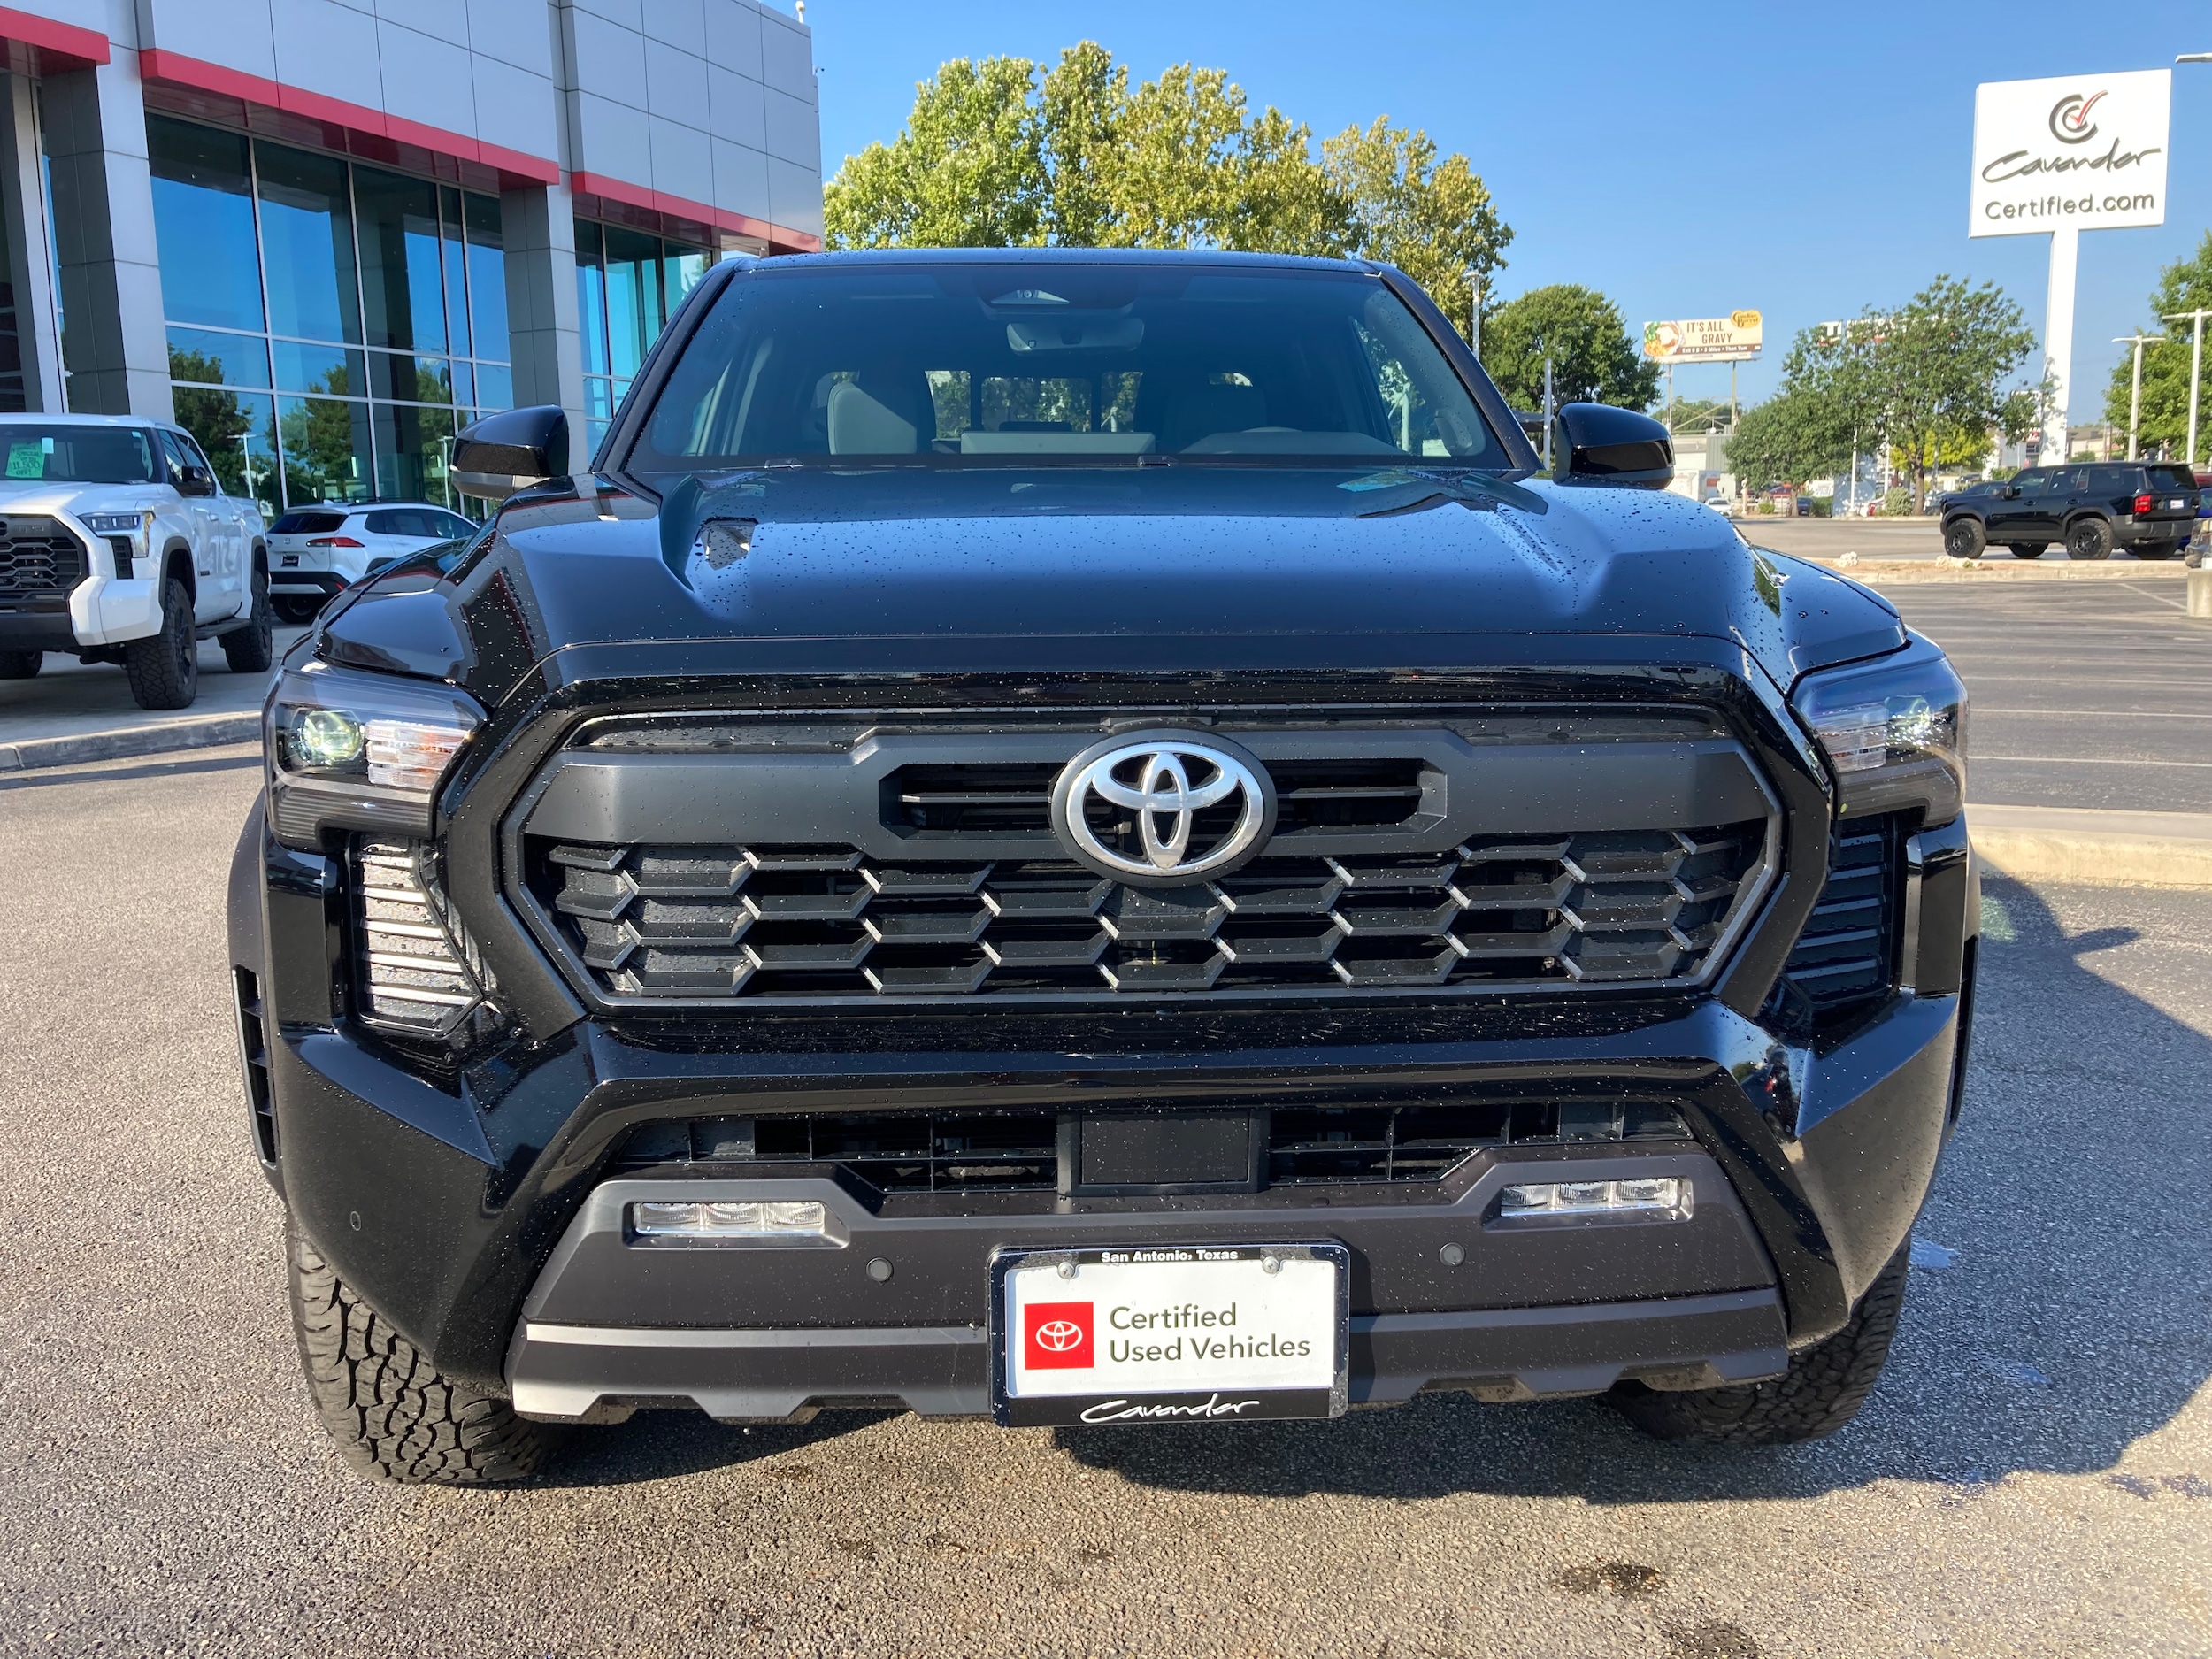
2070, 120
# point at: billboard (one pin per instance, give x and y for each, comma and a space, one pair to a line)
1735, 338
2085, 151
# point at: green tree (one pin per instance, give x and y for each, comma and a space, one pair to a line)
1791, 437
1593, 359
2183, 286
995, 155
1432, 219
968, 170
1938, 365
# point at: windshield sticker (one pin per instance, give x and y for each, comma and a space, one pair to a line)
28, 460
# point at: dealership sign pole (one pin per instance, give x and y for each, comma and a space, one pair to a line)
2059, 157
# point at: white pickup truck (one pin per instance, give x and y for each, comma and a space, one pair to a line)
117, 545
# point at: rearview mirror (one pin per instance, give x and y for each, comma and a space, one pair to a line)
511, 451
1618, 449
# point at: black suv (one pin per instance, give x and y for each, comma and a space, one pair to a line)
2091, 508
1078, 837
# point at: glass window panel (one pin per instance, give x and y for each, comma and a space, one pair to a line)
196, 353
633, 298
488, 277
591, 295
303, 368
203, 222
463, 383
413, 453
495, 387
681, 268
403, 288
239, 434
598, 398
326, 452
307, 230
410, 379
456, 264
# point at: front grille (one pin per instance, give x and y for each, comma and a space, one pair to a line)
38, 557
409, 974
999, 798
910, 1153
1847, 954
895, 1152
665, 924
1422, 1143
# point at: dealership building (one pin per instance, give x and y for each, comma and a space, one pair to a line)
325, 234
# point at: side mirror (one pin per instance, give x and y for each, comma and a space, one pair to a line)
195, 480
511, 451
2010, 492
1618, 448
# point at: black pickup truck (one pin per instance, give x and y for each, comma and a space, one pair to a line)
1079, 838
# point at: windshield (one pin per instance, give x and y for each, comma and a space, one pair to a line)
1003, 365
59, 453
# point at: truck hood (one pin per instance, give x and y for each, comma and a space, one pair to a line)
1209, 565
25, 495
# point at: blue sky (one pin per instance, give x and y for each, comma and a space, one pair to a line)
1689, 160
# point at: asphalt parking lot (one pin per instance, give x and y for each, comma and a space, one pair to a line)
2095, 695
2034, 1475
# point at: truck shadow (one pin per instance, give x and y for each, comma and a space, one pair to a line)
2068, 1324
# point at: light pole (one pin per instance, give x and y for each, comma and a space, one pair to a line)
2196, 368
1474, 311
2135, 396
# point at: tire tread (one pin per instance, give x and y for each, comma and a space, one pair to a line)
394, 1417
1821, 1391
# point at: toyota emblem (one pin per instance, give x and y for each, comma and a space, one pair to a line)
1059, 1335
1162, 809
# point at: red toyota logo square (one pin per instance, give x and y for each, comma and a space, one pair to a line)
1056, 1336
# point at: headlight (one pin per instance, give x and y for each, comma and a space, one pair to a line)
125, 533
354, 750
1894, 731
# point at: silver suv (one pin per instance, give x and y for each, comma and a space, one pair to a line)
117, 544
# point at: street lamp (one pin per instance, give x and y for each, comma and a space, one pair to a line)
1474, 311
2135, 396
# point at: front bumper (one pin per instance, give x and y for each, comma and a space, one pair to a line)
738, 1332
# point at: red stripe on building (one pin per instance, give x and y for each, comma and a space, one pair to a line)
781, 238
65, 39
175, 69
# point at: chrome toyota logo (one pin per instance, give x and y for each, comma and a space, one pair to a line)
1162, 809
1058, 1336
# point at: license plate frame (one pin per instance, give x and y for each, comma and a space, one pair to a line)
1316, 1396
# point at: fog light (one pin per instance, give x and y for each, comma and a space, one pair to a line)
1659, 1198
707, 1221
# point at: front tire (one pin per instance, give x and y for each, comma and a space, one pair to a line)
1962, 539
250, 650
1821, 1391
394, 1417
2089, 539
164, 670
20, 664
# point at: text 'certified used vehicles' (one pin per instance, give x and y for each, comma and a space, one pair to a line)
117, 544
2091, 509
1078, 838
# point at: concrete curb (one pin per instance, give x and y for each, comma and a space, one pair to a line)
1943, 568
2133, 850
156, 737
